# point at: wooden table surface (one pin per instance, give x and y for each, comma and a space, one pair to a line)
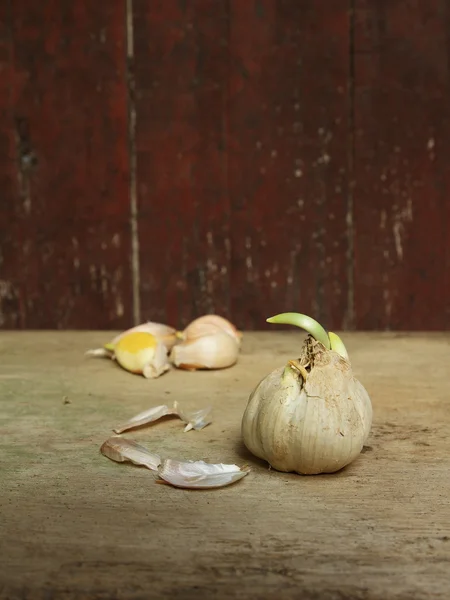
74, 524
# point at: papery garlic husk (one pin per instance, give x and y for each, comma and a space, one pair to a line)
200, 474
182, 474
141, 353
216, 351
121, 450
207, 325
311, 416
194, 419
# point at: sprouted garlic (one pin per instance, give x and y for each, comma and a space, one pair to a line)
194, 420
218, 350
183, 474
312, 415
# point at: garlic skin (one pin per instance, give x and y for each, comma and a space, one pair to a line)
200, 474
208, 325
216, 351
142, 354
311, 416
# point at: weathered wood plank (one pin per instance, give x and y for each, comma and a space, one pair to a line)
180, 67
288, 171
402, 179
75, 525
64, 215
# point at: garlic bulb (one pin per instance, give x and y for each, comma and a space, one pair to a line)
141, 353
216, 351
312, 415
207, 325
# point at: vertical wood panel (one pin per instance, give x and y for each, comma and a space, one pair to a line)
402, 145
288, 139
181, 90
64, 214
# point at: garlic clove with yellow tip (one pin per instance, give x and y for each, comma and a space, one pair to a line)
312, 415
163, 333
215, 351
142, 353
207, 325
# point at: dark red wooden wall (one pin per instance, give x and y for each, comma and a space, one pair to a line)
163, 159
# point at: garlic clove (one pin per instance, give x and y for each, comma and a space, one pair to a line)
163, 333
141, 353
200, 474
194, 420
216, 351
123, 450
207, 325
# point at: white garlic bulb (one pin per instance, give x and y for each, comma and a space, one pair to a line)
311, 416
216, 351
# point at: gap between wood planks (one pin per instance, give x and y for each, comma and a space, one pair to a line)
349, 317
134, 224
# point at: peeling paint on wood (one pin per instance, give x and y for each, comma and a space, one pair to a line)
159, 160
402, 180
181, 103
63, 166
287, 172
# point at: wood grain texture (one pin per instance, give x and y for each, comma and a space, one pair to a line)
402, 180
65, 239
180, 67
288, 131
76, 525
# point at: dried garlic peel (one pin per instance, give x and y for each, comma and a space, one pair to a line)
124, 450
194, 420
199, 474
190, 474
